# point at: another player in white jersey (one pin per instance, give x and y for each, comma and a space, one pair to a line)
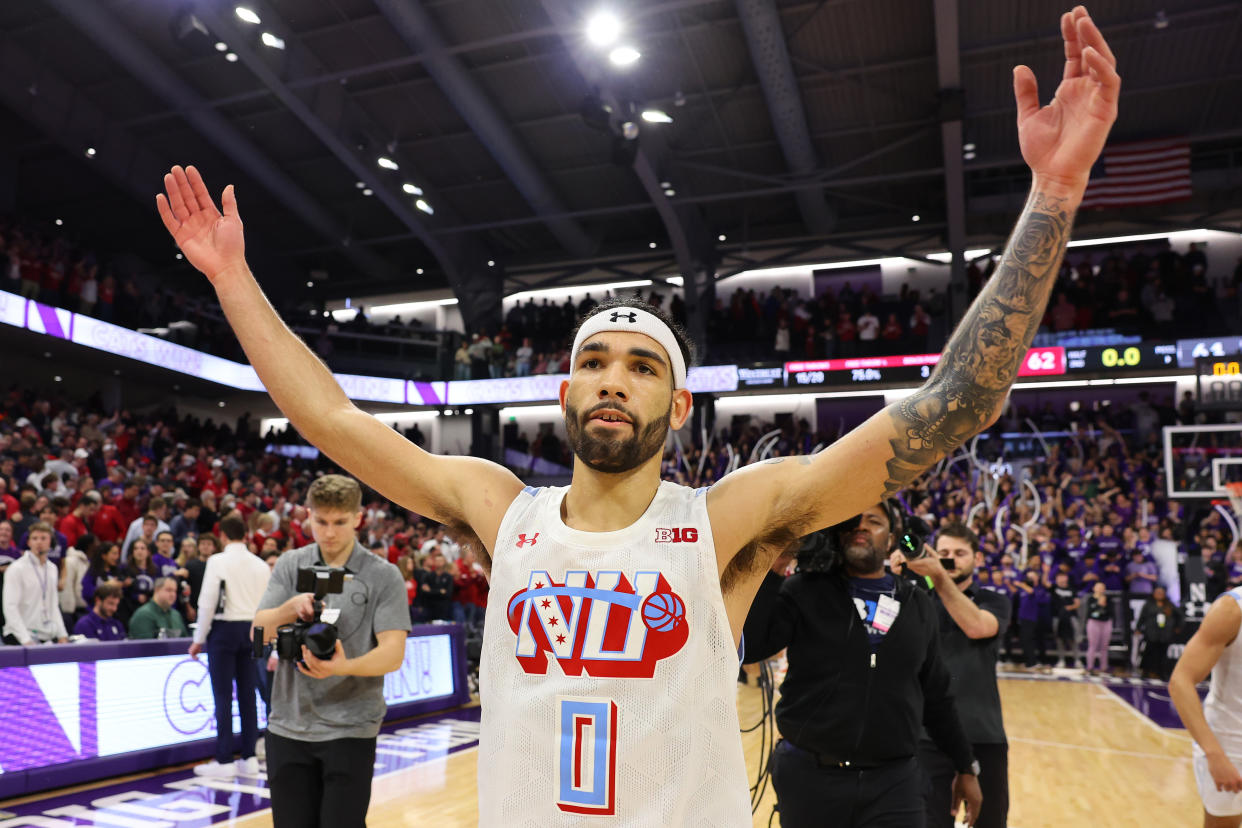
617, 603
1216, 724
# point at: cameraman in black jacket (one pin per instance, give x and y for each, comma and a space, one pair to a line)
864, 675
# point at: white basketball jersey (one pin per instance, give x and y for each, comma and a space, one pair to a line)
1223, 706
609, 676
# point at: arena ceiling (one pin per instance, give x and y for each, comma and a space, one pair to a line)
799, 130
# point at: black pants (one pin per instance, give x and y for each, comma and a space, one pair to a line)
808, 795
1155, 658
1032, 636
230, 659
319, 784
993, 781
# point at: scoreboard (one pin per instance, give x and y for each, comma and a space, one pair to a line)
1218, 383
903, 369
1117, 358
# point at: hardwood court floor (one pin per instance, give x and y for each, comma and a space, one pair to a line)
1078, 756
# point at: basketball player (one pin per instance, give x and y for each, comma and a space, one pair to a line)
1216, 724
638, 589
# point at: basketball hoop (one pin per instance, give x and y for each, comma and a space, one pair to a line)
1234, 490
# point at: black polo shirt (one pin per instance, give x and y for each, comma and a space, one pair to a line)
972, 664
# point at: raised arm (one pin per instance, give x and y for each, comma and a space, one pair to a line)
460, 491
966, 392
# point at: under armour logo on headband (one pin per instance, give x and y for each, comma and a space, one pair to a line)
629, 317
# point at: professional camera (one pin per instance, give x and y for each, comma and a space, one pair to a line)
822, 551
317, 635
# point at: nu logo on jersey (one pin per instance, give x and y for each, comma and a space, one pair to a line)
605, 624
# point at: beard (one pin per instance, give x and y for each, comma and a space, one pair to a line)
614, 455
960, 577
865, 558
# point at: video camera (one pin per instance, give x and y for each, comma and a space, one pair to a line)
317, 635
822, 551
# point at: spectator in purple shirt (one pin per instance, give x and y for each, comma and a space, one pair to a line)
105, 566
101, 623
1106, 541
1033, 602
142, 571
1142, 575
1110, 568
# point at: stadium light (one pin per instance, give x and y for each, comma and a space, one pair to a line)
656, 116
221, 46
411, 189
624, 56
387, 163
367, 191
272, 40
231, 58
425, 207
603, 29
247, 15
90, 152
915, 217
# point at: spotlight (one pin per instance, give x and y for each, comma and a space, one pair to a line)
310, 284
491, 262
969, 156
56, 379
656, 116
970, 147
359, 184
469, 411
411, 189
250, 17
180, 257
272, 40
419, 271
624, 55
722, 237
425, 207
367, 191
387, 163
221, 46
603, 29
221, 403
915, 217
652, 245
60, 222
629, 130
90, 152
231, 58
670, 192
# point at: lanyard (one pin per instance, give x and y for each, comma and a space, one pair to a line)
41, 574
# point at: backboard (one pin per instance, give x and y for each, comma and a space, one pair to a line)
1200, 459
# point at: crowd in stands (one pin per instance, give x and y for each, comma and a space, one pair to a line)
1130, 290
126, 508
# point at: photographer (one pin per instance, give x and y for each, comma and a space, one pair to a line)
864, 674
326, 712
972, 623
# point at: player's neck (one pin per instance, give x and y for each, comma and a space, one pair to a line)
598, 502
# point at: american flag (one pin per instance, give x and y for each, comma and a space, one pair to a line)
1145, 172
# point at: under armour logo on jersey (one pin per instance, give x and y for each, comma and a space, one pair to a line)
603, 624
629, 317
523, 540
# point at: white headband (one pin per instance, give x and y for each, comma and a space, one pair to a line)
633, 320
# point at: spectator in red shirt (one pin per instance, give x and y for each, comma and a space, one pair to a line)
10, 502
127, 505
847, 332
469, 590
74, 525
108, 524
891, 334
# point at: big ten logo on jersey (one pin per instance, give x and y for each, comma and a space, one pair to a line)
682, 535
606, 624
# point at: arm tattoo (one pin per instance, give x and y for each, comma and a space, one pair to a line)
982, 358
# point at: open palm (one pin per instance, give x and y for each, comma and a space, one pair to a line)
212, 241
1063, 139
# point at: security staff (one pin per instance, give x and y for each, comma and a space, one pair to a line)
233, 583
864, 674
326, 713
972, 624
